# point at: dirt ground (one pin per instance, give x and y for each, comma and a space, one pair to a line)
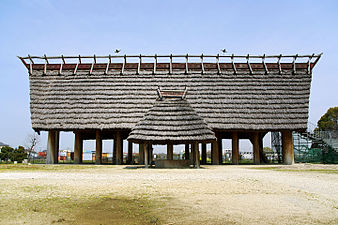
67, 194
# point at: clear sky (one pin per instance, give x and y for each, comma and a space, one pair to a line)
56, 27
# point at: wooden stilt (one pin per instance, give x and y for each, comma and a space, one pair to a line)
262, 157
214, 153
150, 153
130, 153
146, 155
141, 154
235, 148
186, 152
57, 146
197, 155
204, 154
255, 144
122, 149
220, 150
51, 147
287, 147
98, 152
78, 148
170, 151
114, 152
118, 148
193, 154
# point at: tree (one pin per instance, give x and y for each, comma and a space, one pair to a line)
17, 154
31, 142
329, 121
5, 153
267, 150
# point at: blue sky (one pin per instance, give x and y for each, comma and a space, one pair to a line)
54, 27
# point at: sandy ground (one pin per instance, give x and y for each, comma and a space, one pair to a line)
298, 194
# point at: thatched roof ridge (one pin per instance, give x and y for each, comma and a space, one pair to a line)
171, 120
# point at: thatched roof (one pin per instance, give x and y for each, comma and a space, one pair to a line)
171, 119
270, 98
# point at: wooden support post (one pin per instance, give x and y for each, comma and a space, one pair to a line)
57, 146
287, 147
220, 150
146, 155
170, 151
121, 156
51, 147
193, 154
130, 153
255, 144
141, 154
186, 152
118, 149
235, 148
214, 153
262, 157
197, 155
204, 154
78, 148
98, 152
150, 153
114, 152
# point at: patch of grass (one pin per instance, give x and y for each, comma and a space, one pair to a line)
327, 171
45, 167
81, 210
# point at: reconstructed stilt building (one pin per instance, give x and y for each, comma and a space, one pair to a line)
170, 99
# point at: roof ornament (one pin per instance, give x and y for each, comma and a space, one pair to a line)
61, 66
294, 64
172, 93
248, 62
139, 64
155, 64
218, 66
186, 64
202, 65
171, 64
124, 64
31, 62
278, 62
309, 63
264, 64
92, 66
77, 65
107, 67
45, 66
233, 64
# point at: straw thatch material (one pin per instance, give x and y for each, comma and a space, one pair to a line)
230, 101
171, 119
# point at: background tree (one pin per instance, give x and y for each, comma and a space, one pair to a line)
18, 154
31, 143
5, 153
329, 121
